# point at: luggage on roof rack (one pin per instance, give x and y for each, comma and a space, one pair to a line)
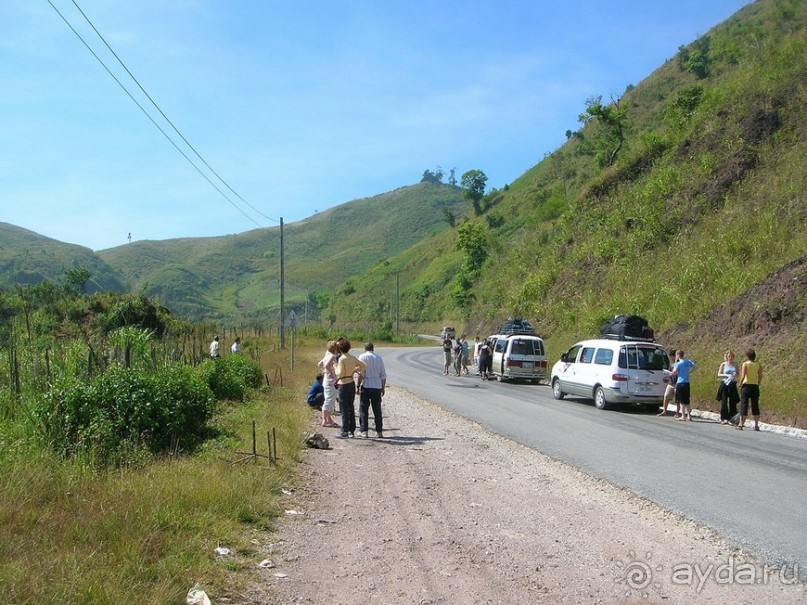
627, 327
516, 325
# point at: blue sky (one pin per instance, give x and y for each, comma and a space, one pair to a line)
298, 105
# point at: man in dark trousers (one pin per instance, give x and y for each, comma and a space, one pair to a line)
372, 386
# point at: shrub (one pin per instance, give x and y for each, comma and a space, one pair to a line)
230, 377
124, 410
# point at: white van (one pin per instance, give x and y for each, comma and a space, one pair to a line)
518, 356
612, 371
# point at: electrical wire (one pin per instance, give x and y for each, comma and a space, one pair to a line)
151, 119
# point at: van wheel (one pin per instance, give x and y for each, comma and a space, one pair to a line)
499, 378
556, 392
599, 399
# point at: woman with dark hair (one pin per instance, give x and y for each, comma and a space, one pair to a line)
346, 367
750, 378
485, 359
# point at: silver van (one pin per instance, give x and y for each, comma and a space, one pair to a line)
612, 371
518, 356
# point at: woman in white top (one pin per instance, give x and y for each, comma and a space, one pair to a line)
328, 366
729, 396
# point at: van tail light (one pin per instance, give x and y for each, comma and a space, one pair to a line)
620, 378
512, 363
542, 364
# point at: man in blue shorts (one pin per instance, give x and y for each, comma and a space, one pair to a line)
682, 368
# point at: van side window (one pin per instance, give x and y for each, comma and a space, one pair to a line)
571, 355
604, 357
501, 344
587, 356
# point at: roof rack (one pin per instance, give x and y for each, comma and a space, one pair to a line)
519, 331
627, 338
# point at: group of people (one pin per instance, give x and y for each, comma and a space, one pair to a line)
457, 355
215, 346
343, 376
748, 380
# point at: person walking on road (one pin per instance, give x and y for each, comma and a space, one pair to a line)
458, 357
372, 386
465, 354
447, 346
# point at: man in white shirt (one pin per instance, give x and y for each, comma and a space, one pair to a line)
215, 348
372, 386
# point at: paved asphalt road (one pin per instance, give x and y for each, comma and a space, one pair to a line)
751, 487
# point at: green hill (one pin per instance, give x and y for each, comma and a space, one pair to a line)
29, 258
238, 276
682, 201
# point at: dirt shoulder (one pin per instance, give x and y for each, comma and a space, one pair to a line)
443, 511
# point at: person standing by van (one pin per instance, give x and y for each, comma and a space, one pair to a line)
682, 368
727, 372
750, 377
464, 354
485, 359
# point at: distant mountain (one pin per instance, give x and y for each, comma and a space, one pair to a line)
238, 276
29, 258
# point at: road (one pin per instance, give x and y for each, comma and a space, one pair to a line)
750, 487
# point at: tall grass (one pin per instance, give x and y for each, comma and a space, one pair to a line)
71, 533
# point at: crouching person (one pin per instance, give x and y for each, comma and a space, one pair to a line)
316, 394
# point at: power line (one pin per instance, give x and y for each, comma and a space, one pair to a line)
153, 102
151, 119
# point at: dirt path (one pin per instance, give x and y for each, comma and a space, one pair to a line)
443, 511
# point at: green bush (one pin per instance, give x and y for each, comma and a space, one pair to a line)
126, 410
230, 377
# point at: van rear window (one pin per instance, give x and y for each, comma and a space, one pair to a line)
526, 346
643, 358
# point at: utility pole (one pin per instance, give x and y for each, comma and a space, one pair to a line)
282, 290
397, 304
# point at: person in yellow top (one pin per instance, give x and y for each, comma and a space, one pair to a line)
750, 377
346, 368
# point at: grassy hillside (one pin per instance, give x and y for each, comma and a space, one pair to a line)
29, 258
238, 276
702, 204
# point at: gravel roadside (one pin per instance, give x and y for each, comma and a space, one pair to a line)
443, 511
